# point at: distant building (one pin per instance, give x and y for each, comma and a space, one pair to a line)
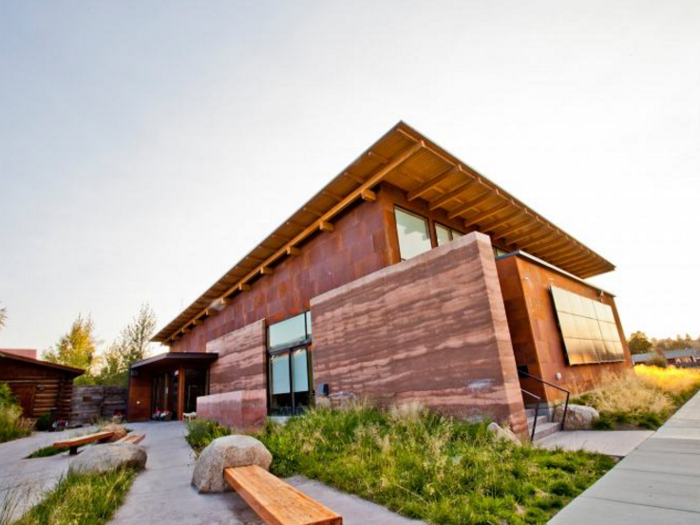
409, 277
40, 387
683, 357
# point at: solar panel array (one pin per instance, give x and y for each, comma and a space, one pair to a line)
589, 329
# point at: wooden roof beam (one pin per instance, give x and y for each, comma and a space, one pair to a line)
500, 222
447, 197
514, 228
293, 251
326, 226
470, 221
469, 205
518, 239
431, 183
266, 270
368, 196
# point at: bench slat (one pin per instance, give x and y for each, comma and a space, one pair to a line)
277, 502
132, 438
83, 440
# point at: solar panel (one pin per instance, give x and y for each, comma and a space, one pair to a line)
588, 329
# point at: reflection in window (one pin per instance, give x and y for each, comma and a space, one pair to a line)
280, 374
445, 234
301, 370
289, 332
414, 236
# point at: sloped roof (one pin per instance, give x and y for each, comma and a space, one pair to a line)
38, 362
407, 159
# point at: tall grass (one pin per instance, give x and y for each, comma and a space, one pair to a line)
201, 432
82, 499
645, 399
430, 467
12, 424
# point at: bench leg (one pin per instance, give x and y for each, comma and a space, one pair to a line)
73, 451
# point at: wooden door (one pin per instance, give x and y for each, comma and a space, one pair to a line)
25, 395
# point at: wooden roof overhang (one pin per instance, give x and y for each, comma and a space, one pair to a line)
405, 158
171, 360
75, 372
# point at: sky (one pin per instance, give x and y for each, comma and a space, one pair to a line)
145, 147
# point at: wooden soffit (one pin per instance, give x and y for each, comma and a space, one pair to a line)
407, 159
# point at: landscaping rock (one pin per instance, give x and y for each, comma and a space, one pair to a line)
578, 417
224, 452
102, 458
119, 432
503, 434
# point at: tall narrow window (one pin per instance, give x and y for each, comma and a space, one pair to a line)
414, 236
445, 234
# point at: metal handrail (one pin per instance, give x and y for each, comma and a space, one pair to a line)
568, 394
537, 412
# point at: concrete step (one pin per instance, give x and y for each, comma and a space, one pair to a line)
540, 421
546, 429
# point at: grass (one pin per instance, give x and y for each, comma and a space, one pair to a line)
643, 400
201, 432
12, 424
81, 499
429, 467
45, 452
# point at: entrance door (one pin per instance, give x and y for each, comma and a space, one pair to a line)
290, 381
25, 396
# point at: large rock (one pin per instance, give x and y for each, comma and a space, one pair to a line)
503, 434
224, 452
578, 417
119, 431
102, 458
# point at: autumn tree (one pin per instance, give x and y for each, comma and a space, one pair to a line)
639, 343
77, 348
3, 317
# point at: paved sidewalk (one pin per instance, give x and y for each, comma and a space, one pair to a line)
659, 483
618, 443
23, 482
163, 494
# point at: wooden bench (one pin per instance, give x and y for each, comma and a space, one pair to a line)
276, 502
132, 438
79, 441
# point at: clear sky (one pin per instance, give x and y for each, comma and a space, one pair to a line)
146, 146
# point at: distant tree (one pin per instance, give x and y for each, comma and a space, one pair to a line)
77, 348
131, 346
679, 343
3, 317
639, 343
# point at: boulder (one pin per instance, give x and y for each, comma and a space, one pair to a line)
102, 458
224, 452
119, 431
503, 434
578, 417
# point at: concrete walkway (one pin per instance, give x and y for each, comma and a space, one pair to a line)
618, 443
23, 482
657, 483
163, 494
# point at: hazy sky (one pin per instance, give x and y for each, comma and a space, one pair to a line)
146, 146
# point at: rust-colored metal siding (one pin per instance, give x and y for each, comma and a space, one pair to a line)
534, 331
431, 330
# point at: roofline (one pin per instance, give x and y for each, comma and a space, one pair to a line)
176, 356
64, 368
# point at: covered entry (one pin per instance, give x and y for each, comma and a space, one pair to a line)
168, 383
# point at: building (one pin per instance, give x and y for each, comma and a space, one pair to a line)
41, 387
683, 357
409, 277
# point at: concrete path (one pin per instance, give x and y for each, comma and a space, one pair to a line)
23, 482
611, 442
657, 483
163, 494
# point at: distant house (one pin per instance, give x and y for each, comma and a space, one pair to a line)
683, 357
41, 387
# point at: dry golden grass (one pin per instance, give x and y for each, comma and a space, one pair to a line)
671, 380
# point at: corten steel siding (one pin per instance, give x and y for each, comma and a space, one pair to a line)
237, 379
139, 398
432, 330
535, 333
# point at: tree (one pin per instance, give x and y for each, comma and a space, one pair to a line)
639, 343
3, 317
77, 348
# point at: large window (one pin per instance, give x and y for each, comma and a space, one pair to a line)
414, 234
445, 234
289, 369
588, 327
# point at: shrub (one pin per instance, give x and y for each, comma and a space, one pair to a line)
12, 424
201, 432
43, 423
658, 360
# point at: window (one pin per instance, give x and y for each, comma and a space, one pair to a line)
589, 329
414, 236
498, 252
445, 234
289, 332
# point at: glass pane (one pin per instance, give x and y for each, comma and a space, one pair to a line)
568, 325
561, 300
456, 234
443, 234
301, 371
308, 323
594, 330
582, 327
280, 374
588, 308
413, 234
287, 332
576, 303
